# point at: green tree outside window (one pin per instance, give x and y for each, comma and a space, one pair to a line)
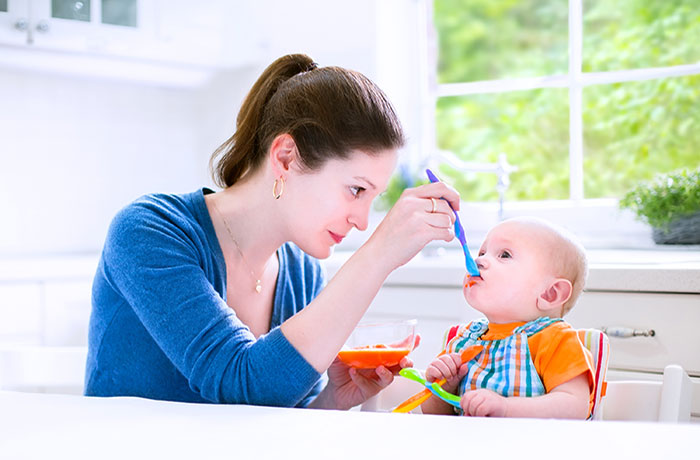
632, 130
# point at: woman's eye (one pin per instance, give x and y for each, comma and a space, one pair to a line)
356, 191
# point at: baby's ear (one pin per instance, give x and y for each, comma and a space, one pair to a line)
555, 295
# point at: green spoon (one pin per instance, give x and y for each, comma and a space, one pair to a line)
436, 389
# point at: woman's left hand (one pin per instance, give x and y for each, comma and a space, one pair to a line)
348, 386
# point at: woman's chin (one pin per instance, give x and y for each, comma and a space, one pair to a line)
317, 251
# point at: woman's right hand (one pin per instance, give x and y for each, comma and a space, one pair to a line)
418, 217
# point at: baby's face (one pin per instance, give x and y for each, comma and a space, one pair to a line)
512, 263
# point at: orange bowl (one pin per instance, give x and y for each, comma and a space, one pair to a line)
379, 344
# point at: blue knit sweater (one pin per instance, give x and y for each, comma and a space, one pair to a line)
160, 327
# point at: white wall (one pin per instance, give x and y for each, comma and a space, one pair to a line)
74, 149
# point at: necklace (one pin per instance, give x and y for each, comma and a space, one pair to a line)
258, 284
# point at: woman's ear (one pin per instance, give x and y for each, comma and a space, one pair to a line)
283, 152
555, 295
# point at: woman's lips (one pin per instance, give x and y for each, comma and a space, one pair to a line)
337, 238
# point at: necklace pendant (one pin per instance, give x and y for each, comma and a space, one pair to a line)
258, 286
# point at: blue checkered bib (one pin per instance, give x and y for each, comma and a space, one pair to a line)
505, 365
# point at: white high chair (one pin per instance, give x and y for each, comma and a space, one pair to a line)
665, 401
42, 369
598, 344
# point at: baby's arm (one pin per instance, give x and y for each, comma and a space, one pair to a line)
568, 400
444, 367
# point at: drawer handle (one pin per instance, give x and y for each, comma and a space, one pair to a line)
625, 332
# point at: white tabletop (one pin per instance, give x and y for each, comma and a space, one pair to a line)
41, 426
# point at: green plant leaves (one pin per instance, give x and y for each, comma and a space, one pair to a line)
666, 197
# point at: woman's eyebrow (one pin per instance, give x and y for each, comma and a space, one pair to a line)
362, 178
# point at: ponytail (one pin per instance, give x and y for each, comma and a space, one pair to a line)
242, 152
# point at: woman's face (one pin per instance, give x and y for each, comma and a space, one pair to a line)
324, 205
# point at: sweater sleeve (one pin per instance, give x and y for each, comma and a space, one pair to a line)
155, 261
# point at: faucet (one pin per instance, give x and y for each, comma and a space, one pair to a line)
502, 169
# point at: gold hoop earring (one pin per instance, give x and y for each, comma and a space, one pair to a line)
275, 193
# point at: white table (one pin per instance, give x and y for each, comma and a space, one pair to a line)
41, 426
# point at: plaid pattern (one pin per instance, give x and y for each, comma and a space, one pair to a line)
505, 365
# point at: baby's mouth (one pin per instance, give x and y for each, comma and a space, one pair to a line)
472, 280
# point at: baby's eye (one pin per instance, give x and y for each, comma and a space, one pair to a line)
505, 255
481, 253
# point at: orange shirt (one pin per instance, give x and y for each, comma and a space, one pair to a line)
557, 353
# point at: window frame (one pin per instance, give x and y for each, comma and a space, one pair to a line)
614, 228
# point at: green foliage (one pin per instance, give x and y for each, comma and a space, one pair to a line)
668, 196
397, 184
500, 39
632, 130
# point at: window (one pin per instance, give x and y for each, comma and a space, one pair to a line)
585, 97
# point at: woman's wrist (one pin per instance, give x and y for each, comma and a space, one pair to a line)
374, 259
324, 400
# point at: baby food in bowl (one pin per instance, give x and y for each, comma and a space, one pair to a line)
379, 344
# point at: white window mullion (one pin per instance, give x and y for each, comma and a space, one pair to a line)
575, 101
649, 73
428, 63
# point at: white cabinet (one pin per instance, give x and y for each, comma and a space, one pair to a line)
74, 36
14, 22
75, 25
21, 319
673, 318
46, 301
67, 312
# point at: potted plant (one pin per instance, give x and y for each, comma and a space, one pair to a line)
670, 204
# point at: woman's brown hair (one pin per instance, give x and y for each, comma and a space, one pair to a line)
328, 111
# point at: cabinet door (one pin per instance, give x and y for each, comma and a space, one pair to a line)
101, 26
21, 320
67, 310
14, 22
674, 318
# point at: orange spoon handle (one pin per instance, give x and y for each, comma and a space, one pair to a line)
417, 399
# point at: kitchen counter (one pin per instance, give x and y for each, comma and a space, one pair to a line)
676, 269
59, 426
662, 270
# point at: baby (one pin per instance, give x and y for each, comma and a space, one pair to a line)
531, 275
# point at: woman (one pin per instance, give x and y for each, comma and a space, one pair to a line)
217, 297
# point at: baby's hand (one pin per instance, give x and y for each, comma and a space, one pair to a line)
483, 403
448, 367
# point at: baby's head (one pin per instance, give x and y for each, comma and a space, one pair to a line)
529, 268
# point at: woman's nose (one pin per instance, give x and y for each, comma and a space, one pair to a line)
359, 217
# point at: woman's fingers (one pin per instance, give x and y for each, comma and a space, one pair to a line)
440, 220
411, 223
438, 190
371, 384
